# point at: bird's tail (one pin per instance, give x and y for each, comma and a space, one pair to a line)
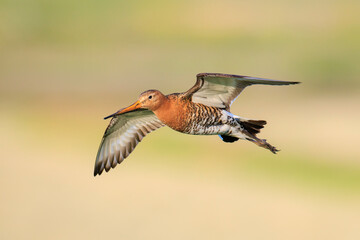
249, 131
253, 127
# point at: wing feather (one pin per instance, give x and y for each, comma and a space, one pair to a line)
121, 137
221, 90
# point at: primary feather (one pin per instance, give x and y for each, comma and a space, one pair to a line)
221, 90
121, 137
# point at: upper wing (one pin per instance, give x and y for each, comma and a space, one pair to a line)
220, 90
121, 137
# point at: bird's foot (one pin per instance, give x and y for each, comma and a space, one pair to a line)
264, 144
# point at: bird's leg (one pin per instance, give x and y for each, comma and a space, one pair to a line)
261, 142
264, 144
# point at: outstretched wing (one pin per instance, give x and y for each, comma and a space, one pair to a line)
121, 137
220, 90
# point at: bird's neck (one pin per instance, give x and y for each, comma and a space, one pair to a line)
172, 112
166, 111
163, 107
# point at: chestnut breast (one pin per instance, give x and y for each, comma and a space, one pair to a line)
174, 112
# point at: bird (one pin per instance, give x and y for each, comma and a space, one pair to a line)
202, 110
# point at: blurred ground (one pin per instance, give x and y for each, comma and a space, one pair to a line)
64, 65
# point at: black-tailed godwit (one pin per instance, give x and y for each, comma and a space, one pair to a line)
202, 110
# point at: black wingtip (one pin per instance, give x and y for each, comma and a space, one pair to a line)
96, 172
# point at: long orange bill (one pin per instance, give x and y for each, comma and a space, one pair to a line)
132, 107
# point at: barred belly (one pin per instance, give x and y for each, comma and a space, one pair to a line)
207, 120
197, 129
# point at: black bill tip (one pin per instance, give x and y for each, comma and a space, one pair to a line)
112, 115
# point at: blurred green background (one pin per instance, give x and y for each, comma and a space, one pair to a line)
66, 64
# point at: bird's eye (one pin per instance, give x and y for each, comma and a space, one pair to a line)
150, 97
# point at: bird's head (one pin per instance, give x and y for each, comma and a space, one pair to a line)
151, 100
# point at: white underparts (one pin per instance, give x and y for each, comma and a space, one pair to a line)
226, 125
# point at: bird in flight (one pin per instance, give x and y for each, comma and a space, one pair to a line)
202, 110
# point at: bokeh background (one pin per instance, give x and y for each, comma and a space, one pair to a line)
65, 64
